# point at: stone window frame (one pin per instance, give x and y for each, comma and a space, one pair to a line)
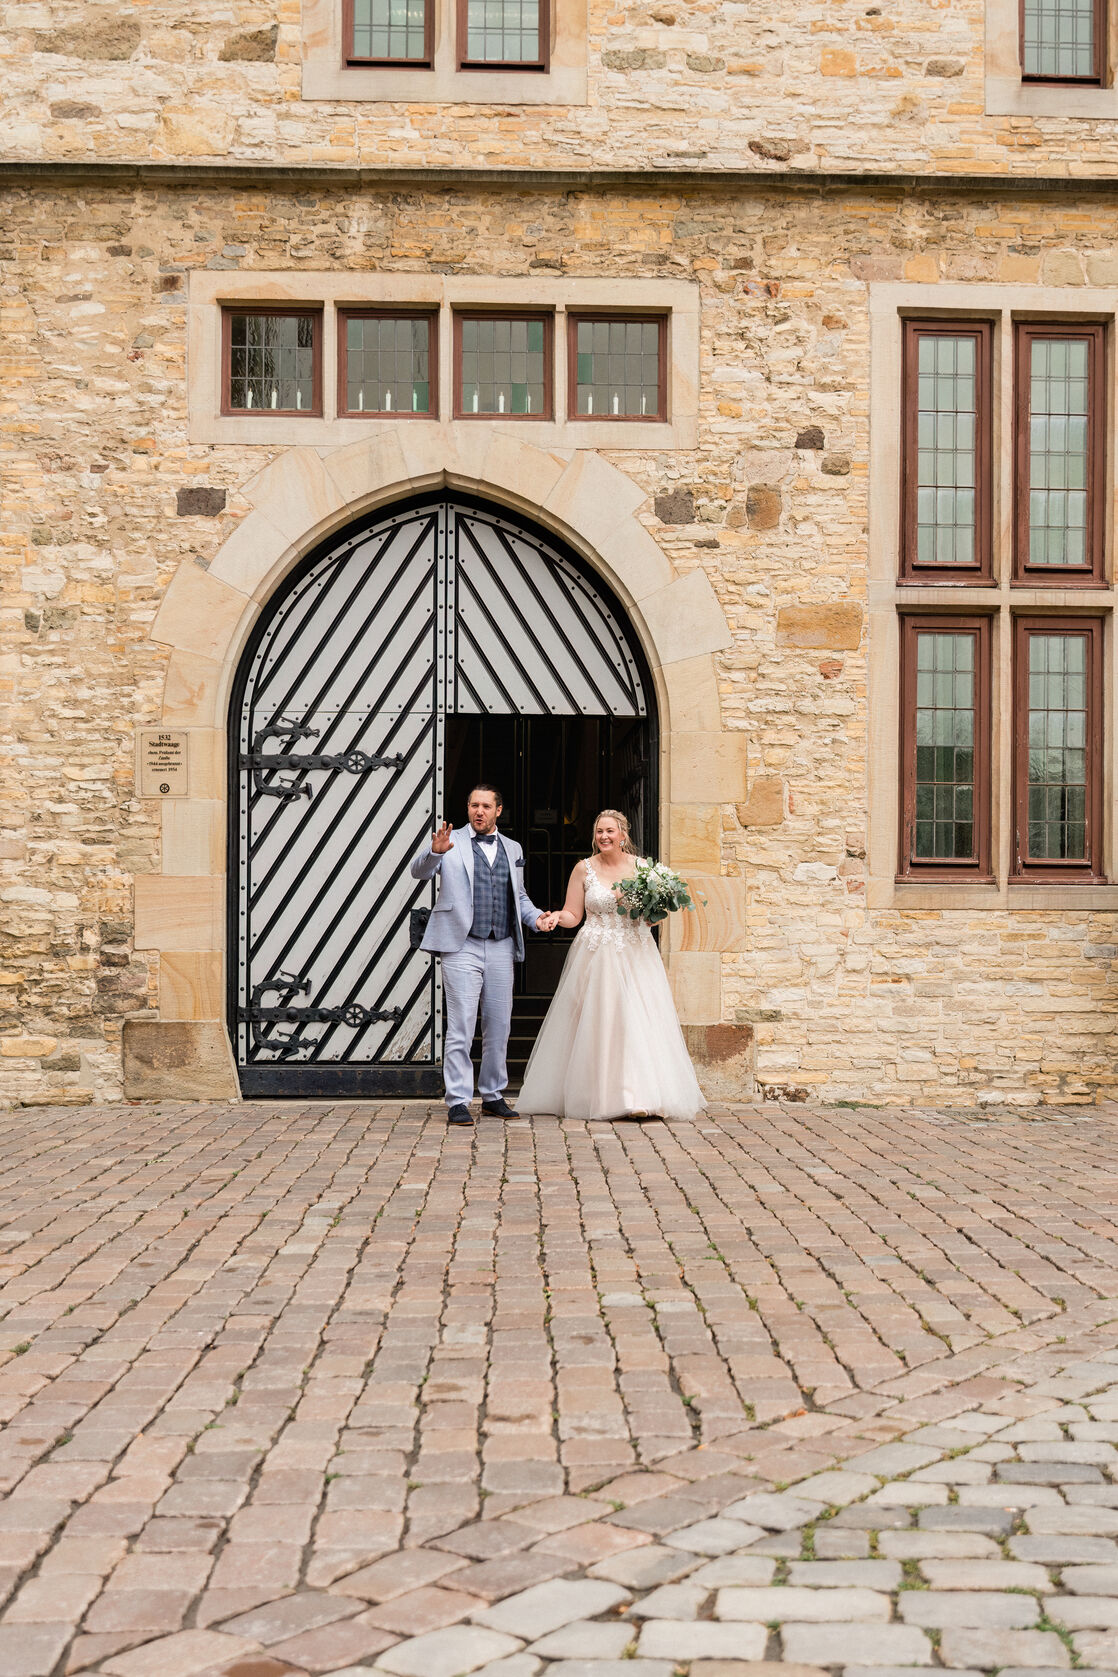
329, 72
397, 312
976, 868
1004, 600
439, 294
1023, 867
1093, 574
1009, 93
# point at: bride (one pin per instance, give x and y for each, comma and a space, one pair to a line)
610, 1045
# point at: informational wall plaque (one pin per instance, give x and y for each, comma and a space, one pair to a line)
164, 763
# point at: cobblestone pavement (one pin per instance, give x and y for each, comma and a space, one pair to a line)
318, 1389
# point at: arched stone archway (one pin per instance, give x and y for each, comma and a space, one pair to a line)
207, 617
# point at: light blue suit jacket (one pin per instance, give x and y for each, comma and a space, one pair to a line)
453, 913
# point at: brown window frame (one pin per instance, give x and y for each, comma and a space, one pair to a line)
1097, 76
547, 318
1093, 574
533, 66
622, 315
228, 310
982, 571
1051, 869
360, 312
976, 870
427, 62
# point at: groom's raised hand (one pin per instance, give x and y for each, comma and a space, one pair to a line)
441, 840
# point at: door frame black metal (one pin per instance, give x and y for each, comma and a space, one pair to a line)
355, 1080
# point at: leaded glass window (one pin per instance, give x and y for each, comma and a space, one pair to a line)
272, 362
503, 32
503, 366
947, 402
1059, 41
1057, 749
617, 369
946, 448
945, 736
390, 31
388, 364
1058, 451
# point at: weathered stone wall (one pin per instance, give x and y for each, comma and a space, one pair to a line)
847, 1002
831, 84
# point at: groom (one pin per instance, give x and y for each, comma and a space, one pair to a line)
475, 926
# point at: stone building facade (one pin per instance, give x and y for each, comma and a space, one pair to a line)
798, 195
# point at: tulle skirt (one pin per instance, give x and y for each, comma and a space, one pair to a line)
611, 1043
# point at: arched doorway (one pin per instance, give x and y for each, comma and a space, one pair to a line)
420, 650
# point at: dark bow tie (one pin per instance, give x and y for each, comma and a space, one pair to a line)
484, 838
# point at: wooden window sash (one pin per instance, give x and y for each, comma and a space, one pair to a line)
1053, 869
911, 569
387, 312
547, 319
976, 869
1092, 574
1097, 76
573, 322
539, 65
287, 310
352, 58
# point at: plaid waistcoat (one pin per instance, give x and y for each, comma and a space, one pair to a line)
492, 891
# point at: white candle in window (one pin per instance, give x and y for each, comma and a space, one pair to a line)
388, 401
500, 401
275, 396
616, 404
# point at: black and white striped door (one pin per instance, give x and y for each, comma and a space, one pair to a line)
338, 748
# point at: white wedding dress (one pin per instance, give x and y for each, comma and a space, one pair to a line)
611, 1042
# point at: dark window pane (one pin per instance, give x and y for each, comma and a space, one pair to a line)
503, 31
271, 362
618, 368
945, 726
946, 444
388, 29
1057, 772
1058, 405
502, 366
1059, 38
388, 365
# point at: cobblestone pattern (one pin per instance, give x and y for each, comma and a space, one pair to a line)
837, 85
313, 1390
847, 1003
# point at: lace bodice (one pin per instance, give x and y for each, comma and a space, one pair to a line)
603, 924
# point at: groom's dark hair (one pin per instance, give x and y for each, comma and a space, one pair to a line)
484, 786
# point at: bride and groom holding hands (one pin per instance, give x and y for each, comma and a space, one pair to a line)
611, 1045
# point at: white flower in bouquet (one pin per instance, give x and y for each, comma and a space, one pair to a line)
652, 893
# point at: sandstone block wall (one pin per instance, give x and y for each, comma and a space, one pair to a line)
104, 496
831, 84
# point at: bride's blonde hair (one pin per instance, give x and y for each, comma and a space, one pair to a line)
623, 824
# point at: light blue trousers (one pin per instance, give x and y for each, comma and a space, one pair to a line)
481, 971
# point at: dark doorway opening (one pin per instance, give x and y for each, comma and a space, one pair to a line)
555, 774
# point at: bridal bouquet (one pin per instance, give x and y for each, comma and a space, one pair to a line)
652, 893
